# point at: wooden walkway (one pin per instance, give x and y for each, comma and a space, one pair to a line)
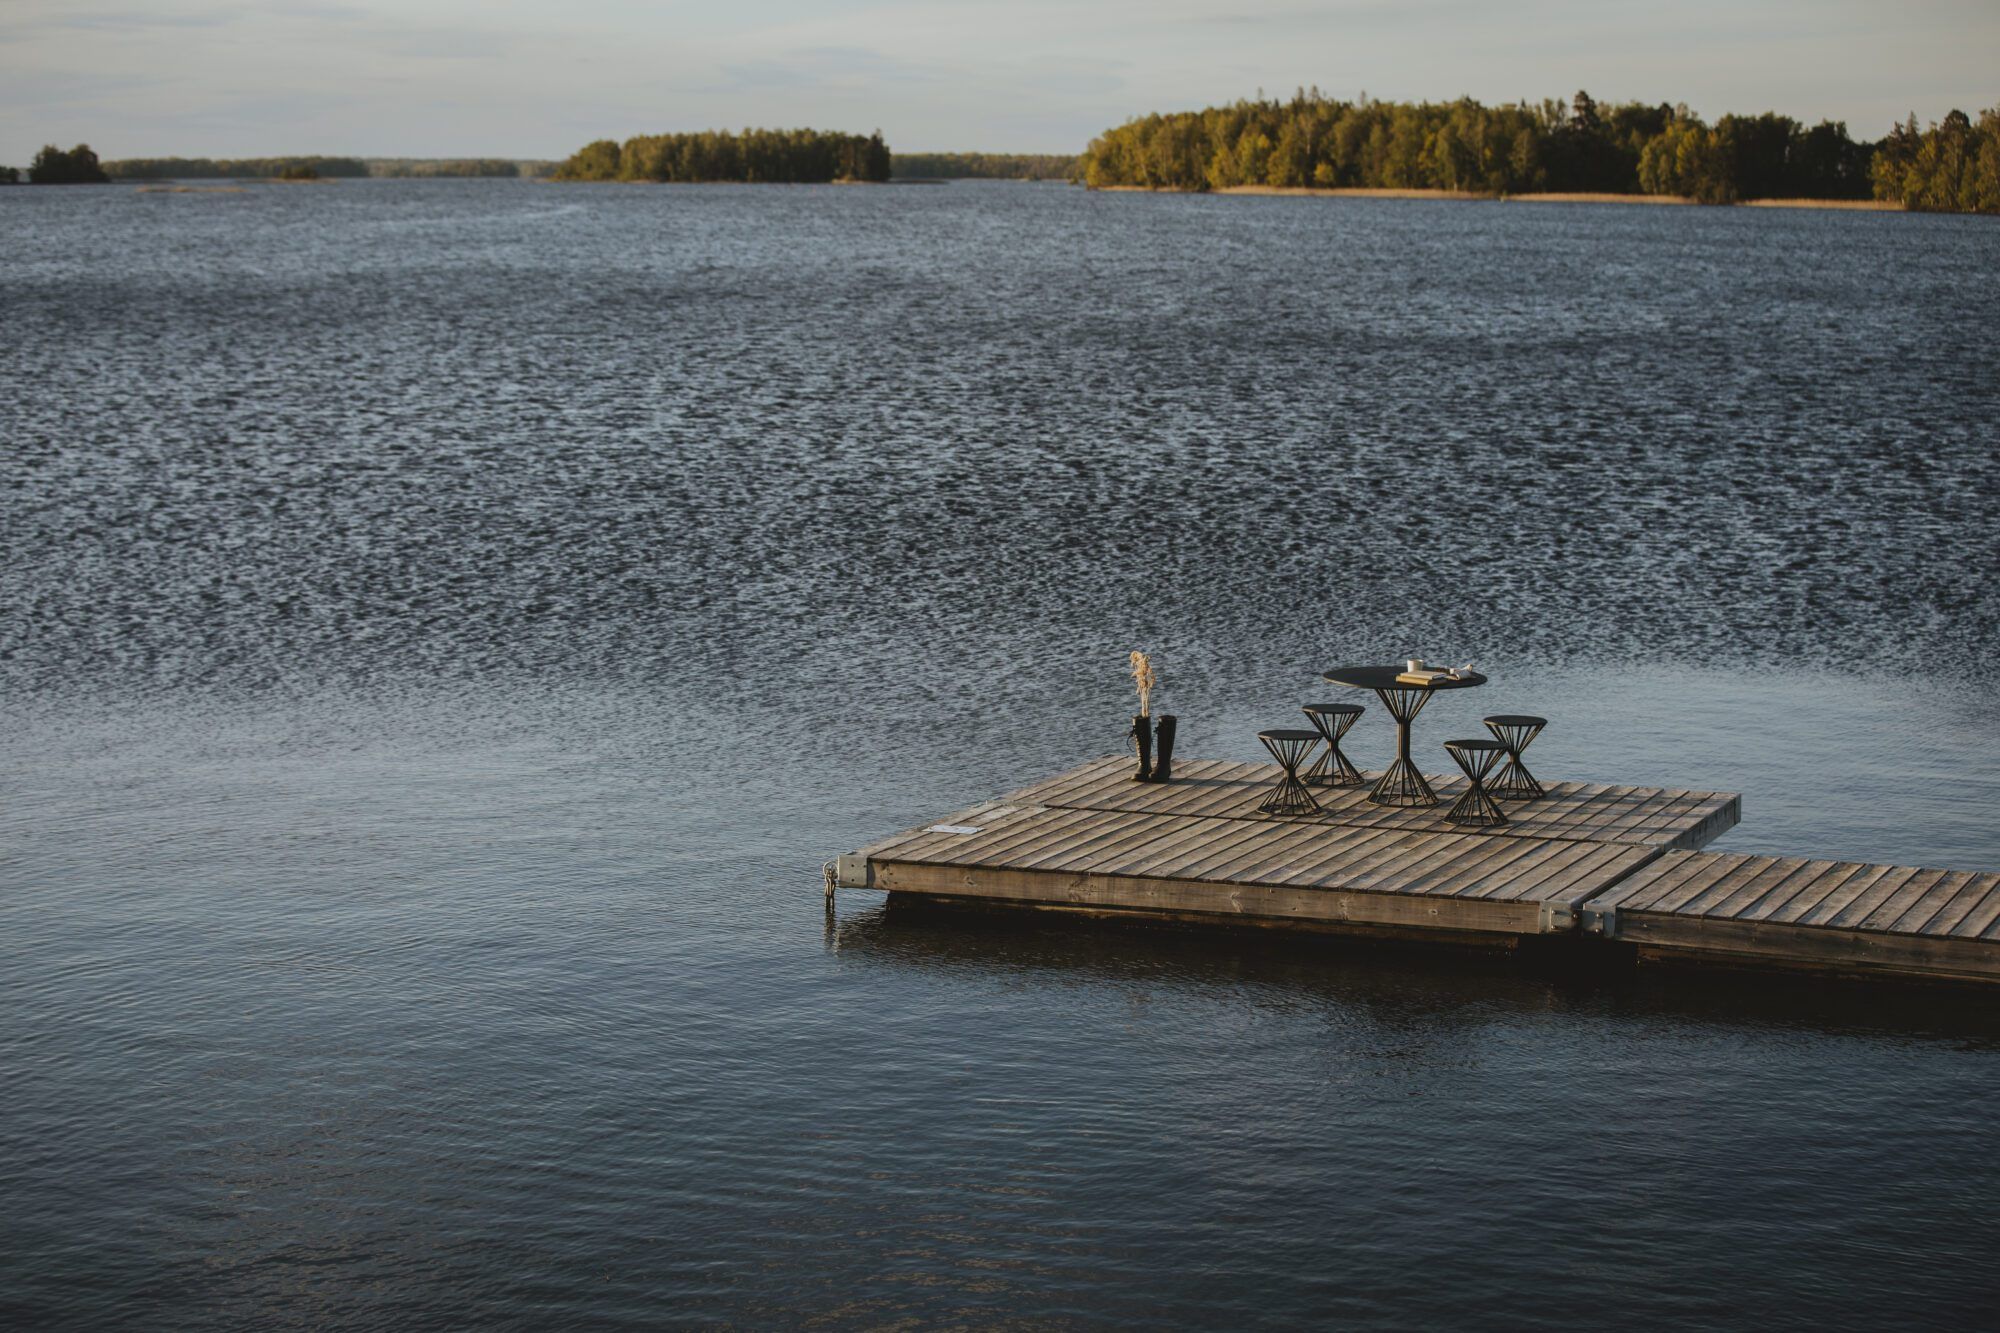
1615, 862
1789, 910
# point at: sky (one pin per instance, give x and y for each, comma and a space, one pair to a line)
515, 78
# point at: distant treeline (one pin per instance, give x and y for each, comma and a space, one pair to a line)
418, 168
793, 156
261, 168
985, 166
1580, 146
240, 168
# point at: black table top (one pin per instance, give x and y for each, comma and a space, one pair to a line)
1384, 678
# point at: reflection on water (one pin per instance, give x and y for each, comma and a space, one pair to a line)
1401, 986
446, 625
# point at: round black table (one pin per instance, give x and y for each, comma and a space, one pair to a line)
1403, 783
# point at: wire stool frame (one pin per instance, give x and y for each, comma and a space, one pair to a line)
1289, 748
1477, 759
1332, 768
1516, 731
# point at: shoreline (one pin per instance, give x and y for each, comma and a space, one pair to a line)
1467, 196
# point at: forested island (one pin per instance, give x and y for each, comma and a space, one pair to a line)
1580, 146
983, 166
799, 157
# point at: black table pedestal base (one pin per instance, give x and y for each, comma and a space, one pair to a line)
1403, 784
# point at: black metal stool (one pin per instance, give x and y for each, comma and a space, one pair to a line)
1289, 748
1332, 769
1514, 731
1476, 758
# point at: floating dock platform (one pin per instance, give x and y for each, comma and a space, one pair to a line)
1590, 861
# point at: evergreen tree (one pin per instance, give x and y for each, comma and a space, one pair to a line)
1953, 167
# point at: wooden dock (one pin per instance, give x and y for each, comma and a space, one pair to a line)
1580, 811
1615, 863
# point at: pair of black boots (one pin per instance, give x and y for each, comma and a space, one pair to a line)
1143, 729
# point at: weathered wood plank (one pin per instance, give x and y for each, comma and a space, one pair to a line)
1119, 832
1882, 894
1278, 843
1102, 827
1810, 891
1203, 865
1983, 920
1489, 864
1223, 836
1974, 893
1337, 853
1912, 892
1001, 842
1757, 890
1649, 884
1607, 864
1415, 856
1716, 877
1530, 878
1914, 917
1863, 895
1256, 902
1190, 838
1667, 937
991, 820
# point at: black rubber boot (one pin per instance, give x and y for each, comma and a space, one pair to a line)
1164, 768
1142, 732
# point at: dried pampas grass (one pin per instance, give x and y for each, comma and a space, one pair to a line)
1145, 678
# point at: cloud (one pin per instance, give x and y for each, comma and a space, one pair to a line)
29, 18
819, 68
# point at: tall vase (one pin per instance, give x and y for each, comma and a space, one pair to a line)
1142, 736
1163, 768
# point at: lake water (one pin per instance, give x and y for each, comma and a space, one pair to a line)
444, 627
